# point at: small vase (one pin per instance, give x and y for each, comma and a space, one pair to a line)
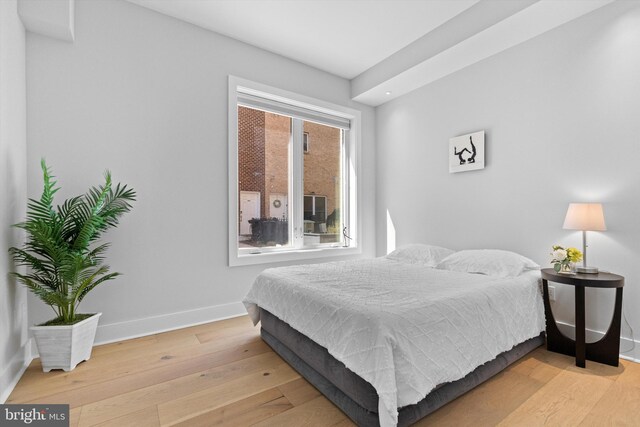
568, 268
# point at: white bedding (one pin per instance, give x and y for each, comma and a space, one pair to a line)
404, 328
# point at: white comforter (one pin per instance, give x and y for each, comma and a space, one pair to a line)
404, 328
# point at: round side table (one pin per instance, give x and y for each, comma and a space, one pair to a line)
607, 350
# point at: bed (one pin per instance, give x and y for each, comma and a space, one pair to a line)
391, 339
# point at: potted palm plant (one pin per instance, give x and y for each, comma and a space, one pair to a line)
65, 262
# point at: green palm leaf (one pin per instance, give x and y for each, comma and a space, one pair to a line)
63, 263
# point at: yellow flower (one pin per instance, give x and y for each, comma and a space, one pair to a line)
574, 255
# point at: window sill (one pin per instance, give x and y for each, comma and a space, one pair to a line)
292, 255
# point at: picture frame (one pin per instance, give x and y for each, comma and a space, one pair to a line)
466, 152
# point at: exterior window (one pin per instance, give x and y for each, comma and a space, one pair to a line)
315, 208
288, 198
317, 221
305, 142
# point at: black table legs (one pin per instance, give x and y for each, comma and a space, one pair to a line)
581, 346
606, 350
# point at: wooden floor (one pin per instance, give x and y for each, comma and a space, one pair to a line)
223, 374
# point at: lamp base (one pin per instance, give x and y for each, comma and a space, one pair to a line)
587, 270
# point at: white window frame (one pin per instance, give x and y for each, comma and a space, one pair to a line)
352, 218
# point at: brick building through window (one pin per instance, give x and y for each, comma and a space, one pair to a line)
264, 140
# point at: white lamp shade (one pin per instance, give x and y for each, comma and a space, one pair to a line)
585, 216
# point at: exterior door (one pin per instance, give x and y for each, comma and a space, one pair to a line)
249, 208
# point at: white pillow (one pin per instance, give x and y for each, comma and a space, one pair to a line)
492, 262
417, 253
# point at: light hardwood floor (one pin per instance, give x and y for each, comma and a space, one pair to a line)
222, 373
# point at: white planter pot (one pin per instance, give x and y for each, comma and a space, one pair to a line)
63, 347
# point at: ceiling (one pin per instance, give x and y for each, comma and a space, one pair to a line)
386, 48
342, 37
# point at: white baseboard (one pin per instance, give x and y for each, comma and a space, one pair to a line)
629, 349
12, 373
136, 328
166, 322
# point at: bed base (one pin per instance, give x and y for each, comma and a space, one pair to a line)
356, 397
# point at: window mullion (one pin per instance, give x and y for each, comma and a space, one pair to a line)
297, 184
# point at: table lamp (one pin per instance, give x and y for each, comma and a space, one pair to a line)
585, 217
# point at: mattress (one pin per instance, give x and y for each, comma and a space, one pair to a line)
356, 397
402, 328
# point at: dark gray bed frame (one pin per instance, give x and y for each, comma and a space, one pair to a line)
356, 397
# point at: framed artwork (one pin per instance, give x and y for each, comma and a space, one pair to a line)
466, 152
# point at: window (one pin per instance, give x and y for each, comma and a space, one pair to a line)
287, 202
305, 142
315, 208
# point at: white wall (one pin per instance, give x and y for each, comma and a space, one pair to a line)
13, 190
561, 118
146, 96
